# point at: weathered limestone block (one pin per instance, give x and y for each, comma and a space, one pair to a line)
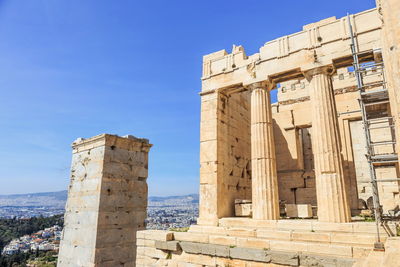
157, 235
299, 210
167, 245
107, 201
316, 260
194, 237
252, 243
243, 208
250, 254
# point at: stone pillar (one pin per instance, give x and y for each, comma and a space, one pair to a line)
210, 163
390, 10
265, 201
330, 185
107, 201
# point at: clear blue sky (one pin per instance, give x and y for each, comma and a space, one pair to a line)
78, 68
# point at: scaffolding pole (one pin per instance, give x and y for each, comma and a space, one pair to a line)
360, 84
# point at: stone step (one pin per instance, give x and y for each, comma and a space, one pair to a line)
341, 250
339, 238
309, 225
320, 237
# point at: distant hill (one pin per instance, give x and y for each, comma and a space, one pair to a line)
48, 199
190, 198
58, 199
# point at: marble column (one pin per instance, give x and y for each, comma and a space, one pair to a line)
265, 201
330, 185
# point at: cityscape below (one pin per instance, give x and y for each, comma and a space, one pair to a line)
163, 212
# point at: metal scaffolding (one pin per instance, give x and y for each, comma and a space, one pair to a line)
375, 114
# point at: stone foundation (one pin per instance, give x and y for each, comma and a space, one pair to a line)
247, 242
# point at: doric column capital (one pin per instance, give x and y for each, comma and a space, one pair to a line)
327, 70
267, 85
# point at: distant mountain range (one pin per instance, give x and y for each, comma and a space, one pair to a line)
49, 199
194, 198
58, 199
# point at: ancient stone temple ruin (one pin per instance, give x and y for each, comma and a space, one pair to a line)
297, 143
324, 150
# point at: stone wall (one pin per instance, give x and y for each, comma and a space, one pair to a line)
236, 182
292, 134
225, 167
285, 62
107, 201
389, 13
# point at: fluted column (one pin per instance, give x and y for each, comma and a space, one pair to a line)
263, 161
331, 193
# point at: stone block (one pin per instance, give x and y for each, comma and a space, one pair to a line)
337, 250
207, 229
243, 208
291, 259
361, 252
332, 227
191, 247
141, 234
191, 237
273, 234
318, 260
249, 254
245, 232
311, 236
349, 238
288, 246
294, 225
205, 249
223, 240
252, 243
145, 261
202, 260
149, 243
226, 262
298, 210
159, 235
155, 253
167, 245
221, 251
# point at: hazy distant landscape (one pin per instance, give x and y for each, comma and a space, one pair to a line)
53, 203
49, 199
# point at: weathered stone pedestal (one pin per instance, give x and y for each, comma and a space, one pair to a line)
107, 201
